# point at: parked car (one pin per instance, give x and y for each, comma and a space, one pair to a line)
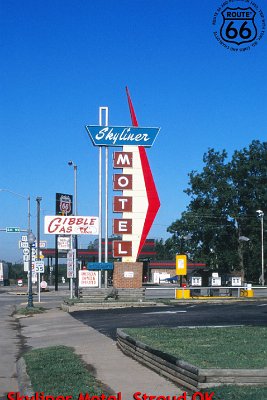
172, 279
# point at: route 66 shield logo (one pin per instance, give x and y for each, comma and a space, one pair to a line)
65, 204
238, 25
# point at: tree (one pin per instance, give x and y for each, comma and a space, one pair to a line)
163, 249
16, 271
224, 198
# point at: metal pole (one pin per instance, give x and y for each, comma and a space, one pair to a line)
71, 279
38, 200
261, 216
56, 263
29, 213
30, 297
29, 230
75, 244
262, 250
75, 189
31, 239
76, 236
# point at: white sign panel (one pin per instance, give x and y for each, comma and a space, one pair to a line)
128, 274
71, 262
160, 276
39, 266
34, 277
236, 281
63, 243
88, 278
26, 266
74, 225
196, 281
23, 245
215, 281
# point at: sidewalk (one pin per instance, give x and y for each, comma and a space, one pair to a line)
119, 372
9, 349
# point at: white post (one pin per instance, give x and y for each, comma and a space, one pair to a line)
103, 110
106, 204
71, 279
39, 289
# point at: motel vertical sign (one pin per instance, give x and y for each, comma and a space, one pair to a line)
136, 198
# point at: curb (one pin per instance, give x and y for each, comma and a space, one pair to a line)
105, 306
87, 306
24, 382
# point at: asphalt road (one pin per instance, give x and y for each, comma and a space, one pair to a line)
207, 314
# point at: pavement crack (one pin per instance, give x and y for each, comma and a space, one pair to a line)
22, 340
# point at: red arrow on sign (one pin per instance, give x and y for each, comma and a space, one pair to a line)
151, 191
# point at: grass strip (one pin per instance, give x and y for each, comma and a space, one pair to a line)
239, 392
209, 347
58, 371
30, 310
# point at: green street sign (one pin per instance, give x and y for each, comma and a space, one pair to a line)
12, 229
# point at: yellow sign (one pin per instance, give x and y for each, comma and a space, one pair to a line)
181, 264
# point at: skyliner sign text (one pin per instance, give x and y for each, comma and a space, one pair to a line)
122, 135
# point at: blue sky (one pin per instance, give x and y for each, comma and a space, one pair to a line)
63, 59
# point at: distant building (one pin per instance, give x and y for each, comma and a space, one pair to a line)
147, 256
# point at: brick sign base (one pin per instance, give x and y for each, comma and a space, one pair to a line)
127, 275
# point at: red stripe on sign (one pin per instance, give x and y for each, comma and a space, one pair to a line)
133, 116
152, 195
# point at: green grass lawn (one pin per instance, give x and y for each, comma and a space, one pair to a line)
239, 393
57, 371
233, 347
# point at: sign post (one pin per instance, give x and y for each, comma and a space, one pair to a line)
39, 269
181, 266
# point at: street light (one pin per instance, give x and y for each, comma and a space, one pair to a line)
71, 163
261, 215
31, 240
242, 239
29, 204
29, 208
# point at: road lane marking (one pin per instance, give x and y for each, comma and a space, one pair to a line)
165, 312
